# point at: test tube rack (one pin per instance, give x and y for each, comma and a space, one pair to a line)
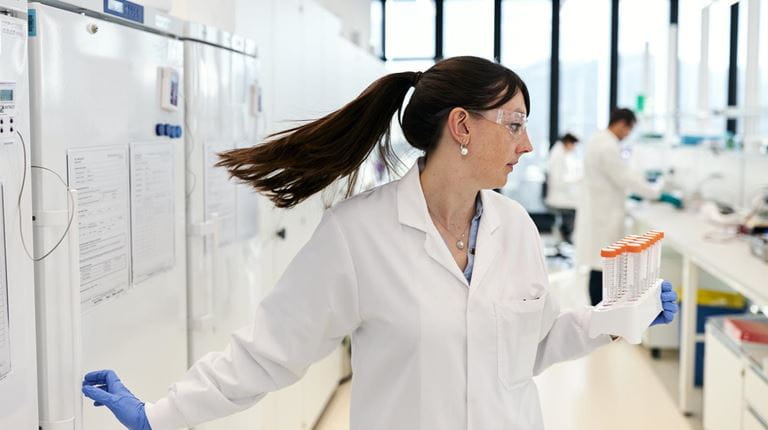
628, 319
631, 287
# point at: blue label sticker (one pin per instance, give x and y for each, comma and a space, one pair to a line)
31, 22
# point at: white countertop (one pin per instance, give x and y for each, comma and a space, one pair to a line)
730, 261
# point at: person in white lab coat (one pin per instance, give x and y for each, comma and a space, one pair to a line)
608, 181
564, 174
440, 282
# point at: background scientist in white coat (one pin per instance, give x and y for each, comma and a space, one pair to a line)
608, 181
565, 170
441, 283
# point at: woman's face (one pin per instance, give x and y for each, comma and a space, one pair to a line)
495, 148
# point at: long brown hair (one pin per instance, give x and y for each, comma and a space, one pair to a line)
294, 164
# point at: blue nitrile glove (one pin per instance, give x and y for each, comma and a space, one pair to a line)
668, 304
669, 198
106, 389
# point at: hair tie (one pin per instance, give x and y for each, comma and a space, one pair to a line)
416, 78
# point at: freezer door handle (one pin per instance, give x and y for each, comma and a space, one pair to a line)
204, 248
201, 229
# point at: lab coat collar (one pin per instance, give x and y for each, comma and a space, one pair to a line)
486, 248
412, 211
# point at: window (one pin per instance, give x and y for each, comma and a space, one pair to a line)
689, 56
526, 35
763, 70
395, 66
410, 29
377, 21
719, 56
585, 37
468, 28
643, 55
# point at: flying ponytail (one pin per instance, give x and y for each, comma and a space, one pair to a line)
294, 164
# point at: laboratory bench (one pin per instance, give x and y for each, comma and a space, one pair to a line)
730, 261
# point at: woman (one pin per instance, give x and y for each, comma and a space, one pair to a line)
441, 283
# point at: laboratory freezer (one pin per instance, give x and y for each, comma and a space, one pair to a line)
107, 117
18, 386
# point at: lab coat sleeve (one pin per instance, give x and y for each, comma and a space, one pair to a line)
564, 334
618, 172
305, 317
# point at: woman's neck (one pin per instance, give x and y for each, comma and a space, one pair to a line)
449, 196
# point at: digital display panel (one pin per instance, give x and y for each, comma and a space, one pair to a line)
116, 6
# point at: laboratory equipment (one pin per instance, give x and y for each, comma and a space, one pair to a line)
224, 254
632, 292
759, 246
18, 374
114, 138
669, 198
756, 220
611, 259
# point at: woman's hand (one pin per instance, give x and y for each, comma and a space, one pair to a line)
106, 389
668, 304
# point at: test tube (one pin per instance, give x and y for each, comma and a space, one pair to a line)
657, 237
620, 277
660, 239
640, 269
608, 256
634, 249
654, 259
622, 290
645, 266
654, 269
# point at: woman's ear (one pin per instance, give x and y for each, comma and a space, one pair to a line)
458, 125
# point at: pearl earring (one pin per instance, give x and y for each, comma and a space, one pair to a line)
464, 151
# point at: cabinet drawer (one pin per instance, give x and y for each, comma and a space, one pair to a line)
756, 393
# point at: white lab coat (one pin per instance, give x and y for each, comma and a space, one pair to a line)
429, 350
601, 213
565, 172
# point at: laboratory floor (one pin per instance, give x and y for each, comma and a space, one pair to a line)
617, 386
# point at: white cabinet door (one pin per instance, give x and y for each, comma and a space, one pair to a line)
723, 384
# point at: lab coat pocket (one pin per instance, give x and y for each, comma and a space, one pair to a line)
518, 323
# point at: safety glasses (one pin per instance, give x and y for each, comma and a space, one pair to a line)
515, 122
